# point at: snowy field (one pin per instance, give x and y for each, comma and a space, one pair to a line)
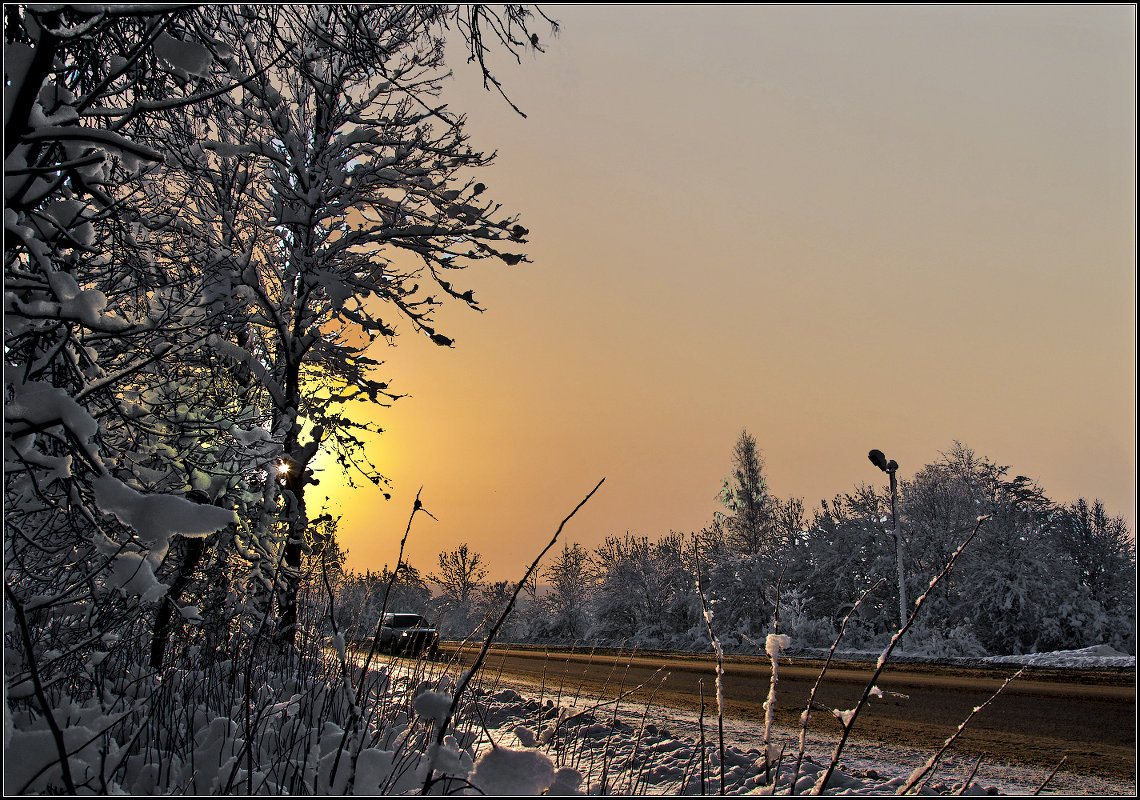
250, 729
596, 748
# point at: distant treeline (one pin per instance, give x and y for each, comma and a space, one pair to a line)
1039, 576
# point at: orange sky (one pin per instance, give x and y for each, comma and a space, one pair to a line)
843, 228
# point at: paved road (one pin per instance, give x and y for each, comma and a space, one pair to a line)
1087, 715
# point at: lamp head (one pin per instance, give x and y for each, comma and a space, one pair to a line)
879, 460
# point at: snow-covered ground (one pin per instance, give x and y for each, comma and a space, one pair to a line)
657, 751
631, 749
508, 738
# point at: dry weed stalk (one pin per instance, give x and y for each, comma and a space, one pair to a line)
925, 772
465, 678
719, 652
1049, 777
848, 718
804, 717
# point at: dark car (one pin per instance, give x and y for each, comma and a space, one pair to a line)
408, 634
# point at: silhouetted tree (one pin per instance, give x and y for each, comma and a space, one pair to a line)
460, 575
570, 580
489, 604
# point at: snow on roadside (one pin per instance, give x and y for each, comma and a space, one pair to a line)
1099, 656
528, 740
1096, 657
656, 751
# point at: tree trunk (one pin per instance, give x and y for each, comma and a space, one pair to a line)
286, 634
195, 547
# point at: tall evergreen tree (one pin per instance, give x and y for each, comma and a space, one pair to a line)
751, 517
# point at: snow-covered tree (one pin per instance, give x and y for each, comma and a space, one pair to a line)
1024, 585
1102, 549
744, 561
489, 604
643, 590
209, 213
343, 194
105, 429
570, 581
461, 573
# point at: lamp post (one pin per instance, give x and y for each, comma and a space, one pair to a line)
890, 467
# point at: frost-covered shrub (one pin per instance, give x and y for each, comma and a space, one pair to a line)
932, 641
571, 582
741, 593
199, 729
1028, 582
805, 631
1119, 622
642, 589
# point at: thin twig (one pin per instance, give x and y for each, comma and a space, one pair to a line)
465, 678
970, 778
56, 733
1049, 777
927, 770
804, 717
701, 725
416, 506
718, 651
849, 723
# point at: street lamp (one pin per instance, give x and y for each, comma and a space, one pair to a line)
891, 467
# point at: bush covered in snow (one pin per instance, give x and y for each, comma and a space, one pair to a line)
1039, 577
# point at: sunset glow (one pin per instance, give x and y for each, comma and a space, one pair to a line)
377, 373
839, 227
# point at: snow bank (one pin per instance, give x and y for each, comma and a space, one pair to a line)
1099, 656
1094, 657
656, 750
